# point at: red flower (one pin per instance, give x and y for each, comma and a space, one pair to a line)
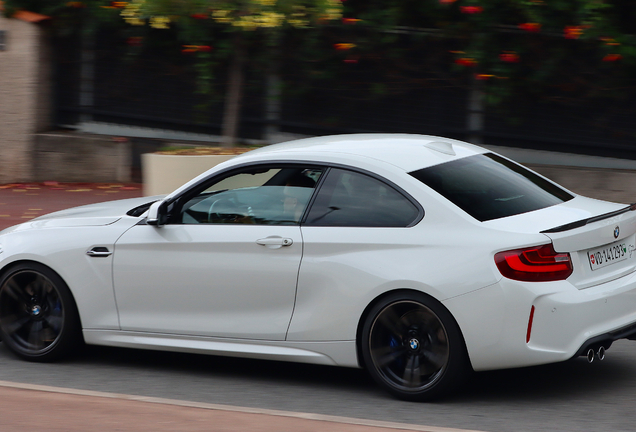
350, 60
134, 40
350, 20
199, 16
573, 32
447, 1
466, 61
612, 57
531, 27
509, 57
471, 9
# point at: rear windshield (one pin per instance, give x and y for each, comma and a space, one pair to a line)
490, 187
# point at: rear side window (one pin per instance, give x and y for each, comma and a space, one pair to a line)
353, 199
490, 187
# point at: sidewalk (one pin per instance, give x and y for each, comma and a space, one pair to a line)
22, 202
50, 409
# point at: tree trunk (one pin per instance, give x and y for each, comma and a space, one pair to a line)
475, 123
234, 94
273, 90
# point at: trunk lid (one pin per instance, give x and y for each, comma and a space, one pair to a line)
599, 236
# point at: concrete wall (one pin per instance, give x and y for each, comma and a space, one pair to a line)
24, 96
74, 157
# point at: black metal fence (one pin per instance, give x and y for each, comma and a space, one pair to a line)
108, 82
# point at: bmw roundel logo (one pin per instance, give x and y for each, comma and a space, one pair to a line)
617, 231
414, 344
35, 310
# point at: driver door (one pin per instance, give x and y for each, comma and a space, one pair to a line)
226, 262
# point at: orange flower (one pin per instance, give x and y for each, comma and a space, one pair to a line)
531, 27
343, 46
483, 77
610, 41
471, 9
350, 20
573, 32
196, 48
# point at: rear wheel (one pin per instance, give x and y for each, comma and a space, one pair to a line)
38, 316
413, 347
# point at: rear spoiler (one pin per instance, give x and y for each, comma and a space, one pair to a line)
583, 222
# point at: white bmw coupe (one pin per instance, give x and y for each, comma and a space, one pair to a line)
416, 257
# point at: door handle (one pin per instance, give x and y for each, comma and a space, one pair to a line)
275, 242
99, 252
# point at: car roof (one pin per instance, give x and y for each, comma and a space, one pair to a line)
408, 152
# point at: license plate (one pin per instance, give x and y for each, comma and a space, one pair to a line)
609, 254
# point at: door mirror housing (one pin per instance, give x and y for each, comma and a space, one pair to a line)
157, 214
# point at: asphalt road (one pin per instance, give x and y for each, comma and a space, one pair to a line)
563, 397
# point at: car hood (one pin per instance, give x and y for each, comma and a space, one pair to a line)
104, 213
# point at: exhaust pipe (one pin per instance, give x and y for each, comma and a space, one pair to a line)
600, 354
590, 355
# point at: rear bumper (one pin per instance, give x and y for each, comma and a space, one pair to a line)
606, 340
566, 321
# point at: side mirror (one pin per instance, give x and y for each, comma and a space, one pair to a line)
157, 214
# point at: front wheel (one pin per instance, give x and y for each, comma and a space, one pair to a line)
38, 316
413, 348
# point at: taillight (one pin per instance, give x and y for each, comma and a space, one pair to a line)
534, 264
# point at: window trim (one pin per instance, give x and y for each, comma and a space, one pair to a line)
176, 203
381, 179
174, 207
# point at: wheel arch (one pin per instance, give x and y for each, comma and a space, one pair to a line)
380, 298
10, 266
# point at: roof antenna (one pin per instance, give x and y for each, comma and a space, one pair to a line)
442, 147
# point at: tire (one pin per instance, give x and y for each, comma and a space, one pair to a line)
413, 348
38, 315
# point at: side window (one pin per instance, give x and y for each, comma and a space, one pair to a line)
349, 198
255, 195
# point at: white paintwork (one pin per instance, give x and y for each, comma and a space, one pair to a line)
207, 280
338, 353
215, 289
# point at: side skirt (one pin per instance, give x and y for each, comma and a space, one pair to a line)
337, 353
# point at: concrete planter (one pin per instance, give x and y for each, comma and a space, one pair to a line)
163, 173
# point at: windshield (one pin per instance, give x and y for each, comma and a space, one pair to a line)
490, 187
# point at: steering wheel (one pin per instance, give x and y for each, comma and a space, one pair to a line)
225, 210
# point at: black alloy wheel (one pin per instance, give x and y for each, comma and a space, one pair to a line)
38, 316
413, 347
